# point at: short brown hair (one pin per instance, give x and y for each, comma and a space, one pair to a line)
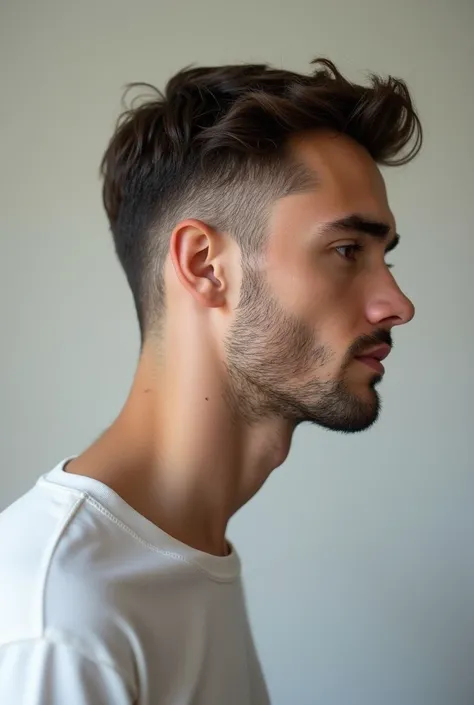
214, 146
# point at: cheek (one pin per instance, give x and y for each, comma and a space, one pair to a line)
342, 314
299, 289
309, 292
329, 299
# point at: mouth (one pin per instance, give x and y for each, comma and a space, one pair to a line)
374, 357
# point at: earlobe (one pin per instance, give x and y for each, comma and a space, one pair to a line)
194, 254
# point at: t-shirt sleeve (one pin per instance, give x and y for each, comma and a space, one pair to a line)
43, 672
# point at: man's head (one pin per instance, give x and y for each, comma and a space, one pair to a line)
261, 187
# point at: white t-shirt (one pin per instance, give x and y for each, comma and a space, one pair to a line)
98, 606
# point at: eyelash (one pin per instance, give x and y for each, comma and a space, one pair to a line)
355, 248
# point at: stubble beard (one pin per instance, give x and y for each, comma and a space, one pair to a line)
269, 352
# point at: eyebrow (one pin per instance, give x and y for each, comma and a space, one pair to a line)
366, 226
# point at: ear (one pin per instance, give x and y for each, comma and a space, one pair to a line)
195, 250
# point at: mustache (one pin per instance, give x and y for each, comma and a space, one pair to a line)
366, 342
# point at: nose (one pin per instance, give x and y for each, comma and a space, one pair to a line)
389, 305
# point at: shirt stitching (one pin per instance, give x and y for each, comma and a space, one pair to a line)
49, 557
85, 496
169, 554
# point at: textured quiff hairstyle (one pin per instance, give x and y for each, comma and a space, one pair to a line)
215, 146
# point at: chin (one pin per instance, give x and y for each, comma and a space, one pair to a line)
345, 410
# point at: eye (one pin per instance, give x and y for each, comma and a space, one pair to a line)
349, 252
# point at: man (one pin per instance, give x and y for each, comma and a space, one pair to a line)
252, 223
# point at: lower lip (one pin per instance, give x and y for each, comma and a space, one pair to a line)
373, 363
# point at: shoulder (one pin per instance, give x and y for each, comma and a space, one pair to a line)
56, 551
30, 529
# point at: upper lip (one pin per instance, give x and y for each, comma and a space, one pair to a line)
379, 353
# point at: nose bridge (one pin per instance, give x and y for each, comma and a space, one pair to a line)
388, 301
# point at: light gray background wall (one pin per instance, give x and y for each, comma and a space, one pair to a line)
358, 553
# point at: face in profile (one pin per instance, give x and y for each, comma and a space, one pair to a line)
318, 305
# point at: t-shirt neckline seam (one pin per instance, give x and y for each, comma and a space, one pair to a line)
53, 478
147, 544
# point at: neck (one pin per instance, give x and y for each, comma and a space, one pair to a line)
178, 454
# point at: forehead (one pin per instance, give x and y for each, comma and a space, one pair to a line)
348, 179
